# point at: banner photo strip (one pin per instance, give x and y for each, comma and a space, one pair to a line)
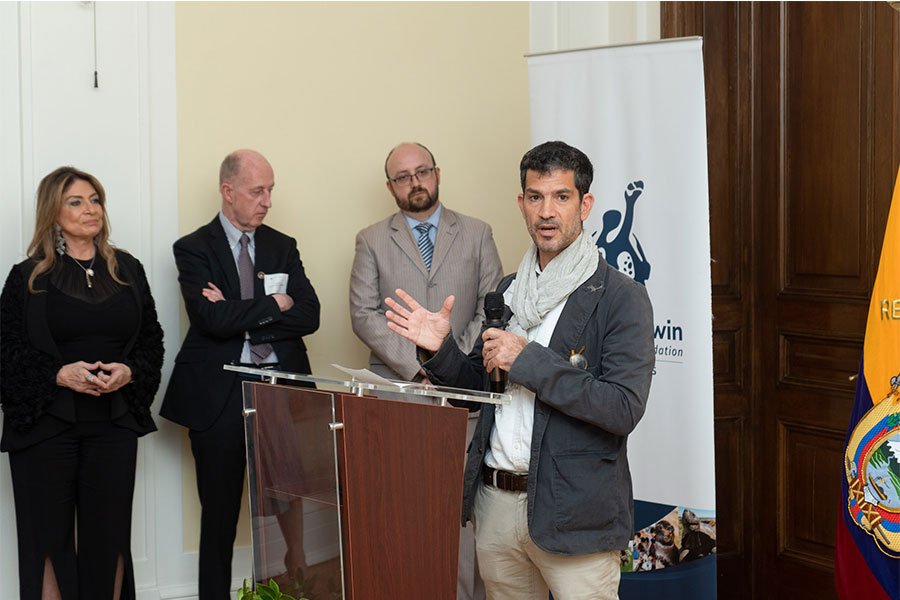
638, 112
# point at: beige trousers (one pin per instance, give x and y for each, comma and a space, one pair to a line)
513, 567
469, 585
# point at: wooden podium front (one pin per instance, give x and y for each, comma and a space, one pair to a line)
354, 497
401, 468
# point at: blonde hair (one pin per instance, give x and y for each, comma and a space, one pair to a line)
51, 195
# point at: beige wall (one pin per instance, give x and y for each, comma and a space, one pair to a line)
324, 90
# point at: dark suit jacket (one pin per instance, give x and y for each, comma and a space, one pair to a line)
199, 388
579, 484
34, 407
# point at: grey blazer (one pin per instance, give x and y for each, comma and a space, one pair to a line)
579, 484
465, 264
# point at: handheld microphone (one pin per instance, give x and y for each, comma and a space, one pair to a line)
494, 307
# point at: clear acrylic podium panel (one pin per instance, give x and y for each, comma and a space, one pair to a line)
293, 470
294, 508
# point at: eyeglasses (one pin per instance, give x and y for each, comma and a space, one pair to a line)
420, 175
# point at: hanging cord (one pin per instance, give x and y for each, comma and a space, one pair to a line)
96, 80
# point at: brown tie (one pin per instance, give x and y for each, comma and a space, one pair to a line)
258, 352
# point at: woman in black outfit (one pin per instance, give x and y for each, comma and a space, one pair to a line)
81, 353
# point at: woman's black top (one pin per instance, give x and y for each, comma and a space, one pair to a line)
65, 321
89, 323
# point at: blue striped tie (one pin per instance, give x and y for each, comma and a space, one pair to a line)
426, 248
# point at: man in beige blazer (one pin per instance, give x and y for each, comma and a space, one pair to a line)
464, 263
431, 252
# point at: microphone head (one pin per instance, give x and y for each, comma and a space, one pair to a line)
494, 306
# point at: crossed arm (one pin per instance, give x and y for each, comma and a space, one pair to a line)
268, 318
212, 293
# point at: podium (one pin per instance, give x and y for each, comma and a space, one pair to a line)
353, 496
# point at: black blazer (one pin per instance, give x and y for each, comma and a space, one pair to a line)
199, 388
34, 407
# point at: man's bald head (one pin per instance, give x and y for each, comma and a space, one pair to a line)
231, 166
246, 180
405, 145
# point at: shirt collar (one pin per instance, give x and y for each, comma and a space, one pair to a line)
233, 233
434, 219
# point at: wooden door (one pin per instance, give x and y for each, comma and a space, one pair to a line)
803, 104
725, 27
825, 166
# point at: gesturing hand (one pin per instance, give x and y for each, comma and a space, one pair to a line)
423, 328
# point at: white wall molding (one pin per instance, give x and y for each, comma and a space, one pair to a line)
125, 134
568, 25
11, 241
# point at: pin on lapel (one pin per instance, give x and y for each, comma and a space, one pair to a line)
577, 359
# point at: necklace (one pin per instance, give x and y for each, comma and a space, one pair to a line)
89, 271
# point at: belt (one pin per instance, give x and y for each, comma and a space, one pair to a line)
504, 480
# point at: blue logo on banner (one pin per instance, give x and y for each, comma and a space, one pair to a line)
619, 252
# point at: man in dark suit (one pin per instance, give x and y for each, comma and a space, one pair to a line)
547, 481
249, 302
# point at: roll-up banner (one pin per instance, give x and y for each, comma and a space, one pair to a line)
638, 112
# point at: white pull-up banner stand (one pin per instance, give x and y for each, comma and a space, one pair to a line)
638, 112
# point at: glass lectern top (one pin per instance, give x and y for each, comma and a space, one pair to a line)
361, 387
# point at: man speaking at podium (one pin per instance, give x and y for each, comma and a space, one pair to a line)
249, 302
547, 479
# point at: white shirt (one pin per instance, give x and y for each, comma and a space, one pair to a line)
510, 448
233, 234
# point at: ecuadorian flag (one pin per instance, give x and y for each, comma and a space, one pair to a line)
867, 550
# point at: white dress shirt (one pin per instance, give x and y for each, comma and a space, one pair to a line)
510, 448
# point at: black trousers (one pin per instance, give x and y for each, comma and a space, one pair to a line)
220, 459
84, 474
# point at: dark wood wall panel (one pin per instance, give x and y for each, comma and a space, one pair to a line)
808, 492
815, 201
886, 119
727, 359
826, 153
803, 123
730, 478
724, 153
818, 364
732, 507
810, 314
